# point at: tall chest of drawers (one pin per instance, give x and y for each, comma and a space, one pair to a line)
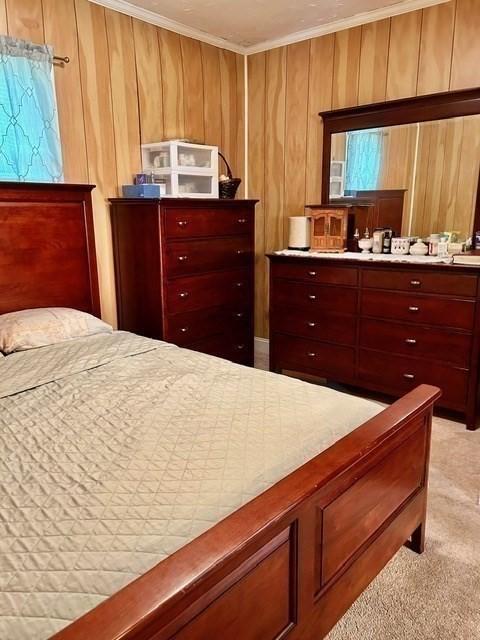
383, 327
184, 272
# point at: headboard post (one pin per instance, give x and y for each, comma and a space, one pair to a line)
47, 247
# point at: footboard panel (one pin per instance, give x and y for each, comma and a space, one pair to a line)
263, 589
332, 603
350, 520
291, 562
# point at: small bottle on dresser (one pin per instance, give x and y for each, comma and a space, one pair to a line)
378, 238
387, 240
433, 241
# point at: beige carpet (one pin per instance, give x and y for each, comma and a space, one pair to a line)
435, 595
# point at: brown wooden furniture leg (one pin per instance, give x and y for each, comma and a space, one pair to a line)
417, 540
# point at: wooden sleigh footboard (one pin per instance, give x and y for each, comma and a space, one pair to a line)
292, 561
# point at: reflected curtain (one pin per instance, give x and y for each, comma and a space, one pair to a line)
30, 148
364, 152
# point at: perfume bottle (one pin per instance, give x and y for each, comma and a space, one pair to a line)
387, 240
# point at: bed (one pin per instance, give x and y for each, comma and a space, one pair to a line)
149, 492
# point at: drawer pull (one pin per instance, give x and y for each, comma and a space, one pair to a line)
240, 252
411, 341
312, 296
240, 347
184, 329
409, 376
312, 324
415, 283
182, 258
413, 309
312, 273
182, 223
239, 284
311, 354
240, 314
242, 220
183, 294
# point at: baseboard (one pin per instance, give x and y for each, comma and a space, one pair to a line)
262, 346
262, 351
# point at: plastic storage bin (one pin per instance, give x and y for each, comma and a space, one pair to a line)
189, 170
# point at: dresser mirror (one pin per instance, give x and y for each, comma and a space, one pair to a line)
417, 158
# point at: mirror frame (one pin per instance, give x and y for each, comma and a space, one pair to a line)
437, 106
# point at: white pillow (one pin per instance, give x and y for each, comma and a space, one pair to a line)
32, 328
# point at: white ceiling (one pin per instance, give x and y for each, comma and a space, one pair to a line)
255, 24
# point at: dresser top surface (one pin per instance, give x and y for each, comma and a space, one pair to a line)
366, 263
182, 202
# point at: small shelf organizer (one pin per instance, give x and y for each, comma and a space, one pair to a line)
189, 170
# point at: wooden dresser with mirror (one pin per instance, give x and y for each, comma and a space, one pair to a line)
389, 326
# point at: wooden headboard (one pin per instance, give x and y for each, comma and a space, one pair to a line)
47, 247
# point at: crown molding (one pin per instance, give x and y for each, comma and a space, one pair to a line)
122, 6
404, 6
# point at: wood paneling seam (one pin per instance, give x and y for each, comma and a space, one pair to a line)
139, 110
111, 91
455, 14
307, 128
6, 19
82, 95
202, 59
284, 201
43, 22
388, 56
357, 101
160, 46
246, 125
419, 51
221, 102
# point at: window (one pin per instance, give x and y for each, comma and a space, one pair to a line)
30, 147
363, 156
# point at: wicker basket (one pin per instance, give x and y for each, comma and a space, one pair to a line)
227, 189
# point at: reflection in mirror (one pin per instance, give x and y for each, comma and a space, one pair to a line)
428, 171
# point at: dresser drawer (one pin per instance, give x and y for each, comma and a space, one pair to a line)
204, 222
196, 256
423, 281
313, 297
316, 273
435, 344
315, 324
399, 374
419, 309
211, 290
325, 360
192, 326
237, 347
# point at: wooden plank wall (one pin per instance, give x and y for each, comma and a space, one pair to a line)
447, 175
425, 51
128, 83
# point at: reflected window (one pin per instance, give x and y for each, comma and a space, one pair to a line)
363, 160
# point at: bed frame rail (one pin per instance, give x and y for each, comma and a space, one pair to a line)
292, 561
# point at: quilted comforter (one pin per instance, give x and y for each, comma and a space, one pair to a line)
117, 450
